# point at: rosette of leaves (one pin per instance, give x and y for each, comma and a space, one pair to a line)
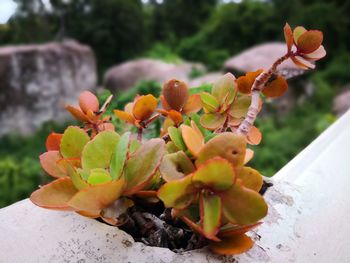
214, 193
95, 175
89, 113
225, 108
176, 102
305, 46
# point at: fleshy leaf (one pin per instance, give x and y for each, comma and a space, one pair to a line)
140, 167
48, 161
297, 32
54, 195
53, 141
119, 156
175, 93
134, 146
98, 152
175, 116
88, 101
210, 103
317, 54
249, 154
197, 228
217, 174
251, 178
212, 121
125, 116
73, 141
144, 107
302, 63
99, 176
240, 106
210, 206
77, 180
242, 205
254, 136
193, 104
245, 83
232, 245
175, 166
193, 140
229, 146
224, 88
288, 36
276, 88
177, 194
230, 230
309, 41
77, 113
97, 197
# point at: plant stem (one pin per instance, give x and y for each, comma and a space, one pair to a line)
139, 134
257, 87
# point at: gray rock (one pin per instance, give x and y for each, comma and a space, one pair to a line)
36, 81
127, 74
341, 103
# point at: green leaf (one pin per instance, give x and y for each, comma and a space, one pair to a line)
210, 103
73, 141
210, 206
98, 152
134, 146
251, 178
142, 165
119, 156
99, 176
242, 205
240, 106
212, 121
224, 89
76, 178
175, 166
217, 174
176, 137
227, 145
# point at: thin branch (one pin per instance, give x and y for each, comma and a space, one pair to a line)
139, 134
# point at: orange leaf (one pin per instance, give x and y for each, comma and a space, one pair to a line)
254, 136
193, 140
125, 116
175, 116
54, 195
49, 162
88, 101
175, 93
249, 154
165, 105
276, 88
237, 230
251, 178
232, 245
196, 228
144, 106
245, 83
192, 105
78, 114
288, 36
53, 141
310, 41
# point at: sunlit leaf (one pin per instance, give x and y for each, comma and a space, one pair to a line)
88, 101
310, 41
212, 121
73, 141
254, 136
53, 142
119, 156
175, 93
98, 152
245, 83
232, 245
240, 106
175, 116
229, 146
224, 88
288, 36
210, 206
210, 103
144, 107
251, 178
192, 105
77, 113
99, 176
48, 161
276, 88
140, 167
54, 195
193, 140
125, 116
77, 180
175, 166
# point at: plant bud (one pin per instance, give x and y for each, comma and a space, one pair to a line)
175, 93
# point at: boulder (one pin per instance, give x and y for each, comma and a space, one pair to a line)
209, 78
127, 74
261, 56
36, 81
341, 103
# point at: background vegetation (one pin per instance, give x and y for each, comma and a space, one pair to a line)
208, 31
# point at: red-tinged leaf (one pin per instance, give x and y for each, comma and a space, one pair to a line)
177, 194
230, 146
233, 245
175, 116
310, 41
55, 195
251, 178
142, 164
317, 54
53, 141
125, 116
193, 140
302, 63
209, 102
242, 205
49, 162
197, 228
218, 174
276, 88
97, 197
165, 105
195, 128
146, 194
77, 113
175, 93
288, 36
73, 141
249, 154
192, 105
297, 32
240, 106
210, 207
237, 229
144, 107
88, 101
212, 121
245, 83
175, 166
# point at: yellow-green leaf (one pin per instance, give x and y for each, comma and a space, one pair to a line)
210, 103
99, 176
224, 89
119, 156
251, 178
176, 138
73, 141
210, 206
175, 166
212, 121
240, 106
